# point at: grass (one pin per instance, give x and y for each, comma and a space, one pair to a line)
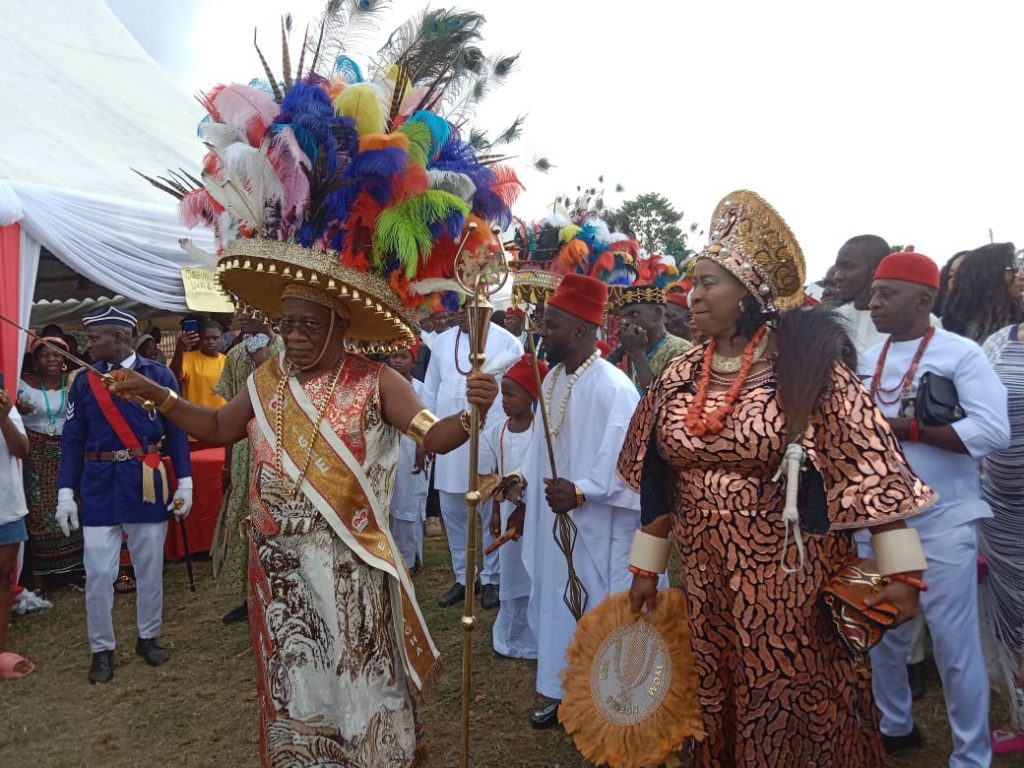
200, 709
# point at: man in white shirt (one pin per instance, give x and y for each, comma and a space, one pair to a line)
444, 393
854, 268
589, 404
946, 457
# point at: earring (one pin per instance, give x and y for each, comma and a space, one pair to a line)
64, 367
740, 304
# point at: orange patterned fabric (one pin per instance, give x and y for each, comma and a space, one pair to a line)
776, 685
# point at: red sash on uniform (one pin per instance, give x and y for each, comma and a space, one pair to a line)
151, 462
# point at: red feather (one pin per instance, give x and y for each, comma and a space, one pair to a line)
198, 208
508, 187
632, 247
412, 182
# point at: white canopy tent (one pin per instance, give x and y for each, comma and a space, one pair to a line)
88, 104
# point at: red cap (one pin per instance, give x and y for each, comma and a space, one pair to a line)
514, 312
581, 296
910, 267
522, 374
677, 297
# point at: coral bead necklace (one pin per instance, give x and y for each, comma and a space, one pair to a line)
696, 420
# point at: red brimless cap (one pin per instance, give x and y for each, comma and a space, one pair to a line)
581, 296
522, 374
910, 267
514, 312
677, 297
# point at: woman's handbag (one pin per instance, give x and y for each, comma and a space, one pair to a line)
860, 627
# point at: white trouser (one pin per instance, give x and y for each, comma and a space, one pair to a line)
102, 557
408, 536
456, 520
951, 612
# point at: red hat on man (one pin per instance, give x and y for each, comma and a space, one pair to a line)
677, 297
910, 267
522, 374
515, 312
581, 296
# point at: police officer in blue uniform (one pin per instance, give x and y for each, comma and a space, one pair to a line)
122, 488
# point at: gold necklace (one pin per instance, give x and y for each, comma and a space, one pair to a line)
292, 490
722, 364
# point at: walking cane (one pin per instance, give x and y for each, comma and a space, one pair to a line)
564, 530
480, 275
188, 555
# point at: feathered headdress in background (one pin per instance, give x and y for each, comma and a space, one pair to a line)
357, 188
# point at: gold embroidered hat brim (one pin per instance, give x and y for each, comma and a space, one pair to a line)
255, 272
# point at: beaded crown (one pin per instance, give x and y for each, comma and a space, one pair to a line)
751, 240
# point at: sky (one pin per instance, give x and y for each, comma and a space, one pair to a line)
901, 119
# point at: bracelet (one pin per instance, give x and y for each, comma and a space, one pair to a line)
898, 551
914, 431
913, 581
169, 402
464, 421
642, 573
650, 553
580, 498
420, 426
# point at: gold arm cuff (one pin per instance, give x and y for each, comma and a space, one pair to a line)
169, 402
420, 426
649, 553
898, 551
580, 498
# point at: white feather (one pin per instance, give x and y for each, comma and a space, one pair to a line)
205, 258
435, 285
220, 135
458, 184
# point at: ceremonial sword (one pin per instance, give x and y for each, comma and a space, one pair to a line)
107, 380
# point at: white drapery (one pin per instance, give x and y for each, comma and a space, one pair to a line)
128, 247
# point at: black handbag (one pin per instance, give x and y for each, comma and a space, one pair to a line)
937, 401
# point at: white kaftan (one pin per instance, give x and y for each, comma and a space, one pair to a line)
597, 416
511, 635
409, 499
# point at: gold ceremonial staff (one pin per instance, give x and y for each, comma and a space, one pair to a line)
480, 275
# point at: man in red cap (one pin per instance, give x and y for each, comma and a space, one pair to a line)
944, 447
515, 323
504, 446
589, 403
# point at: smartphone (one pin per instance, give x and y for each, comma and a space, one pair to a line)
190, 326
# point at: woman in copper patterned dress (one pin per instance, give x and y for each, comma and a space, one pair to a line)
776, 685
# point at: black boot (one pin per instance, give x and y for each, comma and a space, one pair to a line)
154, 654
453, 596
546, 716
894, 744
241, 613
490, 597
102, 668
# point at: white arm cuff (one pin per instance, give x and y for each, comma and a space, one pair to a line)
185, 483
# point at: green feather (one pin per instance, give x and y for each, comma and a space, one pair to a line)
403, 230
420, 142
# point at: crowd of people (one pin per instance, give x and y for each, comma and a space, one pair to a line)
781, 450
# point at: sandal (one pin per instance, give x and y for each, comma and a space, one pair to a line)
9, 663
1006, 742
124, 585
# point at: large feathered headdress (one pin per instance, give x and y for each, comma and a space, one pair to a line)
359, 188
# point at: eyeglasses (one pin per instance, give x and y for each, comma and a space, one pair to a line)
1016, 267
306, 329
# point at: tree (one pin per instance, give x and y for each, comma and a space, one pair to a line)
653, 220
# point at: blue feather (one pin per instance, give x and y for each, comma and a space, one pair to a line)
440, 129
347, 69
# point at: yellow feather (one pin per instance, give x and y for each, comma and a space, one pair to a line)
565, 234
361, 103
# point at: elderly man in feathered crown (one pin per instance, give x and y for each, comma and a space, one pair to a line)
111, 454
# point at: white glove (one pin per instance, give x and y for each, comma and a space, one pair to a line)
182, 501
67, 511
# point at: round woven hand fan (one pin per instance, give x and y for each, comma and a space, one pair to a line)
630, 691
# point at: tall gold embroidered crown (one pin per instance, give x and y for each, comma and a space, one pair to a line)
751, 240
